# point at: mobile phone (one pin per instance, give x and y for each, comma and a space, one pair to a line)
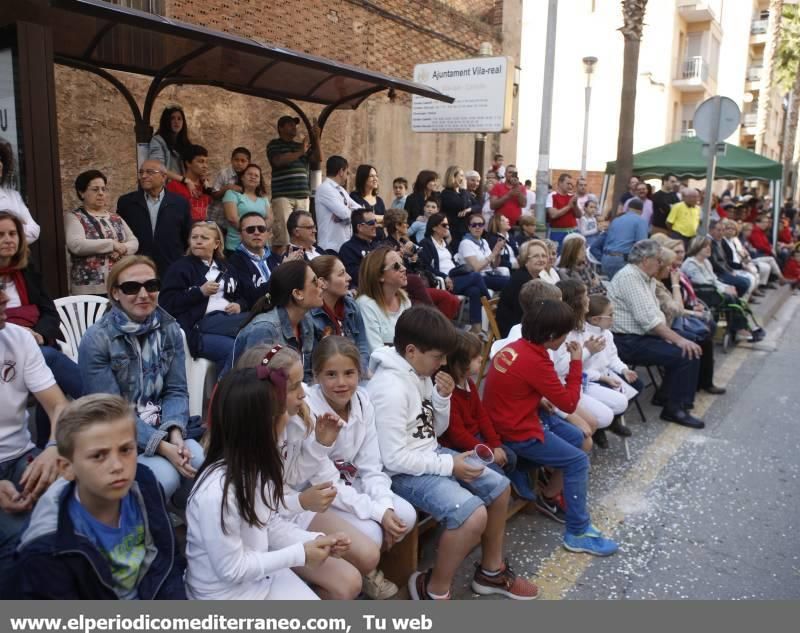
219, 277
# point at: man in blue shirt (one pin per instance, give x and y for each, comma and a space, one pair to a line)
622, 234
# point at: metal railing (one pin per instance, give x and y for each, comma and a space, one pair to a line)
758, 27
750, 119
688, 133
694, 68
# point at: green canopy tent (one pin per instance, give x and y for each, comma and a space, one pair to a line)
685, 159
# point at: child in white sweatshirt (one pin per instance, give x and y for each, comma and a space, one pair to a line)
364, 492
237, 545
304, 504
470, 501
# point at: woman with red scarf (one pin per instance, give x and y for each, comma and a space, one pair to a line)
30, 307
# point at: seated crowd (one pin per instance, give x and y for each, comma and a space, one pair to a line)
347, 396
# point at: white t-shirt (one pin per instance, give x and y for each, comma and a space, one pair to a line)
530, 203
587, 225
468, 248
216, 301
22, 371
333, 207
13, 295
446, 263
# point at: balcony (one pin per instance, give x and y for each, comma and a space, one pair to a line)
700, 10
693, 75
758, 27
688, 133
752, 80
749, 120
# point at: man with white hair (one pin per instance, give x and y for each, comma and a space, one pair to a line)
473, 179
642, 336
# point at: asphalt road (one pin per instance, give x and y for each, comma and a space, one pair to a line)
711, 514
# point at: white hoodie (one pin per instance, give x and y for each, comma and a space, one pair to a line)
371, 493
299, 465
409, 416
236, 564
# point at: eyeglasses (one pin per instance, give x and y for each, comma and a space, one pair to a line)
445, 225
477, 225
149, 172
369, 222
133, 287
397, 267
261, 228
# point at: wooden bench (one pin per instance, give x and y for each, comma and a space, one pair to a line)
403, 559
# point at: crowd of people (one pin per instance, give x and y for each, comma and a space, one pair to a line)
347, 341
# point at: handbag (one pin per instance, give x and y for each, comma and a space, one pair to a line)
691, 327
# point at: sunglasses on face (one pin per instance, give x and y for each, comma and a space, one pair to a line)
397, 267
445, 225
256, 229
309, 227
369, 222
477, 225
133, 287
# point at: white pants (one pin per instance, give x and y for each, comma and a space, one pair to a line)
613, 399
402, 508
286, 585
751, 279
770, 261
601, 412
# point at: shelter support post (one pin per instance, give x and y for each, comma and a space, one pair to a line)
776, 187
41, 169
480, 152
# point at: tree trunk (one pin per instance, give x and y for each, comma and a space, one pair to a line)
765, 92
791, 135
633, 16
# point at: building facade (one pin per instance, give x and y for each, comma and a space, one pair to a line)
690, 51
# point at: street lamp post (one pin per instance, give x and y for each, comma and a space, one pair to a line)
588, 66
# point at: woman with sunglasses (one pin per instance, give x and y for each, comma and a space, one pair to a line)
136, 351
205, 295
382, 297
96, 237
437, 258
474, 253
236, 205
29, 306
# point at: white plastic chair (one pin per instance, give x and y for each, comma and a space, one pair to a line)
77, 314
200, 373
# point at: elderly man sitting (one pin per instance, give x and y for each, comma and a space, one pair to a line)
643, 338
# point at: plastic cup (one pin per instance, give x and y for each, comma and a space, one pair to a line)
481, 456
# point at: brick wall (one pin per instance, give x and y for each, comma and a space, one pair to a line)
391, 36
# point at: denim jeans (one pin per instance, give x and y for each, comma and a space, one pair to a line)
741, 284
12, 525
176, 488
496, 282
473, 287
68, 378
612, 264
558, 235
681, 375
561, 449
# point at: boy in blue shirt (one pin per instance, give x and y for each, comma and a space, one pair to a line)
101, 531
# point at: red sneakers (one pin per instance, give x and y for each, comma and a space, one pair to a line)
506, 583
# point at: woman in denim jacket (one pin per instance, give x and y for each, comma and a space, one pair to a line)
339, 313
136, 351
282, 316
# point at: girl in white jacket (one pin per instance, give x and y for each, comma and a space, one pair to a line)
307, 505
364, 495
237, 545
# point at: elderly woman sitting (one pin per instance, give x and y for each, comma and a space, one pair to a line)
136, 351
643, 337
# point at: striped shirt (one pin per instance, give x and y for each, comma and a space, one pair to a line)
291, 180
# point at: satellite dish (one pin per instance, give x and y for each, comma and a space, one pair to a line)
729, 119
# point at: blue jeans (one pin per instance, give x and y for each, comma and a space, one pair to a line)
447, 499
473, 287
68, 378
612, 264
681, 374
176, 488
496, 282
12, 525
741, 284
561, 449
558, 235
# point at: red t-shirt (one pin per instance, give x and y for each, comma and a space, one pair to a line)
511, 209
785, 235
791, 271
468, 419
566, 221
521, 374
198, 205
760, 241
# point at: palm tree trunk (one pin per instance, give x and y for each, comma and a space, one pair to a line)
633, 16
791, 133
765, 92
